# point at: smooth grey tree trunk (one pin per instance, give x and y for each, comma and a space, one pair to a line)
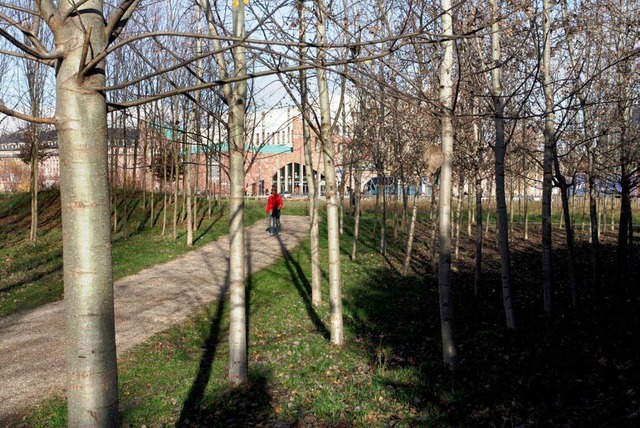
500, 151
445, 290
458, 217
412, 229
569, 231
125, 182
36, 89
175, 177
547, 164
236, 97
187, 181
81, 121
356, 212
382, 188
33, 187
312, 180
477, 277
333, 226
238, 359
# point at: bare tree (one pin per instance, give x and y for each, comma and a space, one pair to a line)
335, 281
449, 351
500, 150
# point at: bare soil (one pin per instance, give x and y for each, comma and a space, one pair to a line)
32, 363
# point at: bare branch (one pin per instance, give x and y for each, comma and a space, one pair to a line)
39, 52
26, 32
119, 19
19, 9
17, 43
28, 118
45, 61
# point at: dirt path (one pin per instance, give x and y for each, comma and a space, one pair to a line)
32, 364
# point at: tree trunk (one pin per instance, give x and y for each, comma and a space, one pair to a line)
595, 227
500, 151
383, 222
356, 212
175, 176
445, 290
187, 178
489, 207
125, 174
458, 224
564, 194
312, 179
238, 358
35, 142
478, 266
115, 179
412, 228
622, 255
165, 192
335, 282
81, 121
549, 143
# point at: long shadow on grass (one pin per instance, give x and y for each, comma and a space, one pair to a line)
303, 287
32, 278
191, 406
396, 319
202, 232
192, 410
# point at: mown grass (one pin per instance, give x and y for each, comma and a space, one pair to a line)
578, 367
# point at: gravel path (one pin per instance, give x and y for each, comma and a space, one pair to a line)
32, 364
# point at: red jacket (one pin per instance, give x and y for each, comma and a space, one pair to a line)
274, 201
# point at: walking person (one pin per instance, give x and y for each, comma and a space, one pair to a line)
274, 206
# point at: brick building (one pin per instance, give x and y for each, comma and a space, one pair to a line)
274, 157
275, 153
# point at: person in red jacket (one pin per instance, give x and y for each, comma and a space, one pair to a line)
274, 206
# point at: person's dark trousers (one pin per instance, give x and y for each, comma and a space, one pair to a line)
274, 227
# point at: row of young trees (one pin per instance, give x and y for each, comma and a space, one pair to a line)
531, 94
